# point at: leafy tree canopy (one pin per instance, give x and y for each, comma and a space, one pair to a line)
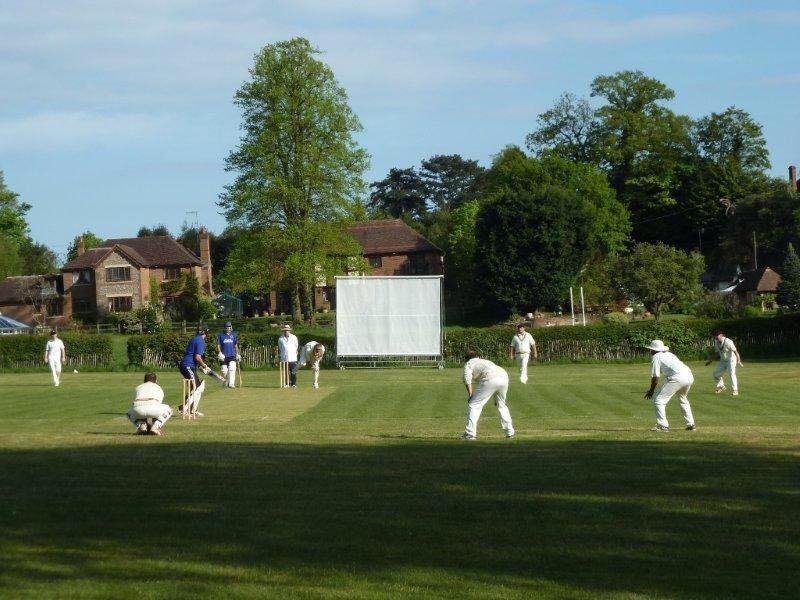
789, 288
90, 240
156, 230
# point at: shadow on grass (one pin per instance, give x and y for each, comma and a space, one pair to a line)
683, 519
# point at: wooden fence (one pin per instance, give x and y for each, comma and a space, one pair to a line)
80, 360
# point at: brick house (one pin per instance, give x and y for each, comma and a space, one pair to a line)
33, 299
116, 276
390, 246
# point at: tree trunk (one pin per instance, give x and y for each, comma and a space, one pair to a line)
297, 314
308, 302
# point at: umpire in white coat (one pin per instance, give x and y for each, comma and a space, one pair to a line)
678, 380
492, 381
288, 347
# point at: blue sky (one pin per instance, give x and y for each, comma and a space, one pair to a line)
118, 114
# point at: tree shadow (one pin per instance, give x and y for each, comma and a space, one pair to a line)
684, 519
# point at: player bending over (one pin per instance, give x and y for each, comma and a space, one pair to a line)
312, 354
148, 413
679, 380
228, 354
492, 381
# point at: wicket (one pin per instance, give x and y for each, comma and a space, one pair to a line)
284, 368
188, 400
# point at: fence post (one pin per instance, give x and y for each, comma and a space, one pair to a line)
141, 328
183, 326
98, 327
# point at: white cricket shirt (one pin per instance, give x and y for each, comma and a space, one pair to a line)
148, 391
524, 344
480, 369
670, 365
287, 348
725, 349
54, 349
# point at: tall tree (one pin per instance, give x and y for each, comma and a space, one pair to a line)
90, 240
450, 180
789, 287
298, 162
659, 276
732, 136
156, 230
12, 213
401, 195
10, 261
37, 259
569, 129
642, 142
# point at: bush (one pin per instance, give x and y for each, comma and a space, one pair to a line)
170, 347
29, 349
616, 317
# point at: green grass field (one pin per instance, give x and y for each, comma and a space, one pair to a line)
361, 489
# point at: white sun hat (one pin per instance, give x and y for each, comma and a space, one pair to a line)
657, 346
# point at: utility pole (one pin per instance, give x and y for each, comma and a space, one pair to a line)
755, 251
572, 305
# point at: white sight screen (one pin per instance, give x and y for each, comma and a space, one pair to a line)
388, 316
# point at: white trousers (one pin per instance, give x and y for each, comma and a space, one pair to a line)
229, 373
141, 411
481, 394
666, 391
315, 373
721, 368
55, 369
522, 363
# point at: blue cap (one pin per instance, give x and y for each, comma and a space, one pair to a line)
228, 324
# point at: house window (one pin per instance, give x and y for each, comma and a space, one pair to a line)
81, 307
117, 304
82, 277
54, 307
375, 261
118, 274
172, 273
417, 265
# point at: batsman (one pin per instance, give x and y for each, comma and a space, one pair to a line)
228, 354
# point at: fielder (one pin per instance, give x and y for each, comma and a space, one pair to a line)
148, 413
728, 357
679, 380
228, 354
492, 381
54, 355
192, 359
521, 347
287, 352
312, 354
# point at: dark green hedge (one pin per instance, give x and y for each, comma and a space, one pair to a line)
81, 348
777, 337
258, 349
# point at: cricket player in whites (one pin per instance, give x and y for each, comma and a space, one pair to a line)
492, 381
521, 347
228, 354
148, 412
312, 354
54, 355
679, 380
287, 352
728, 357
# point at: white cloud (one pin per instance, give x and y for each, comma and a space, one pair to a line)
76, 129
654, 26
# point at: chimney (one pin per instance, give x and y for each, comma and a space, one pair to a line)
793, 178
81, 249
205, 256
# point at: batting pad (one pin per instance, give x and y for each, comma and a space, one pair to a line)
388, 316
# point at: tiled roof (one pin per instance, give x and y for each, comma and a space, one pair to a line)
12, 288
154, 251
87, 260
388, 237
760, 280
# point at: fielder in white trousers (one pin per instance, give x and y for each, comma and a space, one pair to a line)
664, 394
492, 382
677, 379
729, 367
53, 355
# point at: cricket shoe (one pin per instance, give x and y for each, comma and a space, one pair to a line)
466, 436
691, 427
142, 429
156, 431
660, 428
735, 392
719, 390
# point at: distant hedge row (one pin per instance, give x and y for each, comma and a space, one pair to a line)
777, 337
81, 349
258, 349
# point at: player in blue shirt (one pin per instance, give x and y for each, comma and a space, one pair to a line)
192, 359
228, 354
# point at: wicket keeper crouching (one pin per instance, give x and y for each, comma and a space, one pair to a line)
148, 413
